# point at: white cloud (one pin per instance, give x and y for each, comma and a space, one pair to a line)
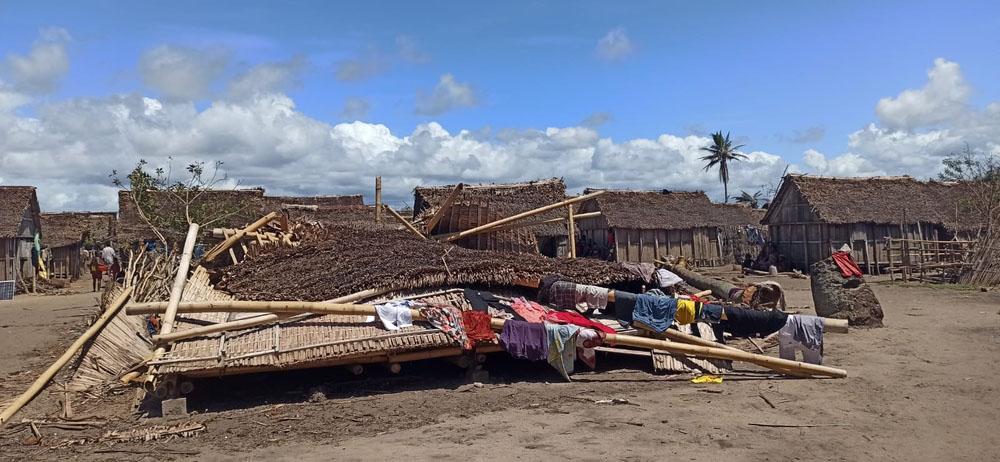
355, 109
447, 95
266, 141
40, 70
275, 77
943, 98
410, 50
181, 73
615, 45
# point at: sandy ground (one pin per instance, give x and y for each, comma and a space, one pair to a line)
923, 388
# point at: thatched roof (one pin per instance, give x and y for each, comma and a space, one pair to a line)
880, 200
14, 200
349, 259
500, 200
277, 202
69, 228
335, 214
668, 210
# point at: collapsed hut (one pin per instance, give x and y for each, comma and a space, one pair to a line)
886, 221
455, 208
644, 226
20, 223
67, 234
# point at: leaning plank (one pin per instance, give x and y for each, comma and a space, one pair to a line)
405, 222
226, 244
444, 208
39, 383
783, 366
510, 219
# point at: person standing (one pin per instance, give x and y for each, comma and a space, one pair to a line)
108, 254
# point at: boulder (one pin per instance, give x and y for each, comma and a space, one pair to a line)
843, 298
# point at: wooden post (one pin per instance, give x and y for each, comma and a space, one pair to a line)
571, 231
519, 216
378, 199
39, 383
177, 290
892, 266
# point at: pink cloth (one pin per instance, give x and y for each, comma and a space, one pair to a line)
529, 310
577, 319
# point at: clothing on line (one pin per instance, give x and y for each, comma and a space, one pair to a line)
654, 313
562, 347
624, 307
577, 319
802, 333
580, 297
529, 310
742, 322
687, 311
477, 327
448, 320
481, 300
395, 314
586, 341
525, 340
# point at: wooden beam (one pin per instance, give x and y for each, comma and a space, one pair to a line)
405, 222
236, 237
511, 219
571, 231
443, 208
378, 199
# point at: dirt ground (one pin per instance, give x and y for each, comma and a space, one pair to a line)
925, 387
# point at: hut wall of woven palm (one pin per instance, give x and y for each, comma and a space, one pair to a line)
348, 258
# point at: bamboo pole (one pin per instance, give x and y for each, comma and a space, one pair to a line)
519, 216
177, 290
260, 320
571, 231
780, 365
444, 208
378, 199
39, 383
405, 222
231, 240
527, 224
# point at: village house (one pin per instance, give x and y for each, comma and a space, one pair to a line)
68, 233
812, 216
480, 204
644, 226
20, 225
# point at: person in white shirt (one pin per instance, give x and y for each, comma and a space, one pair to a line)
108, 254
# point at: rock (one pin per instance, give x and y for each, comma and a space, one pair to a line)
840, 298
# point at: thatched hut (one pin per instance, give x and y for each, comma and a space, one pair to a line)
642, 226
68, 233
811, 216
20, 222
481, 204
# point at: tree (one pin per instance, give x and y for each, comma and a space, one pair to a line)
166, 205
981, 173
721, 152
752, 199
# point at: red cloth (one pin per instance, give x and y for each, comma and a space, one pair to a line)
529, 310
577, 319
846, 264
477, 327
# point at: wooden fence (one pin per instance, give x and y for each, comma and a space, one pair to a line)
926, 260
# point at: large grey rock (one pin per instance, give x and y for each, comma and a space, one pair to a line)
843, 298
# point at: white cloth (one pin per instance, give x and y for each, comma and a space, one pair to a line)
586, 341
590, 298
667, 279
395, 314
108, 254
802, 333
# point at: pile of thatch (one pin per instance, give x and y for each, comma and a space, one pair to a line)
346, 259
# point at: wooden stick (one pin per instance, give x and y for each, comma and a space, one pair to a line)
177, 290
780, 365
378, 199
226, 244
571, 231
405, 222
444, 208
527, 224
39, 383
519, 216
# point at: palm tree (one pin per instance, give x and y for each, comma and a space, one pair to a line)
752, 199
722, 151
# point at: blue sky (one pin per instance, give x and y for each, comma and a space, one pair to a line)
785, 78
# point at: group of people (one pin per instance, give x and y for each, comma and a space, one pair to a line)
101, 262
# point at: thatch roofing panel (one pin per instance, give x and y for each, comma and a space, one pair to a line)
668, 210
14, 200
68, 228
501, 200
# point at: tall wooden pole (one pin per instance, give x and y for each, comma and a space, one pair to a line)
378, 199
571, 230
177, 290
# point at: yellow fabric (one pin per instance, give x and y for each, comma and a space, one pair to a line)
707, 379
686, 311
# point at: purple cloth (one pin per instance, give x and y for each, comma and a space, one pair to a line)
526, 340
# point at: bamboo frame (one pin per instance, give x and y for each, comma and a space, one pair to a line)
779, 365
231, 240
43, 379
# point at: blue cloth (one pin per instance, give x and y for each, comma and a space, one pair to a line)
624, 306
562, 347
656, 313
